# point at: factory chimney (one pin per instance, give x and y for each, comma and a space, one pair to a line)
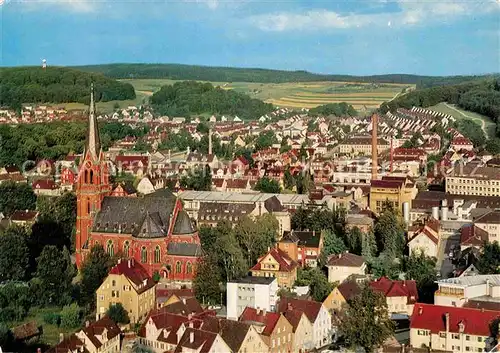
374, 146
210, 140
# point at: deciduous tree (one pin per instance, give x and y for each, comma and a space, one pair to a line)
14, 254
94, 270
118, 314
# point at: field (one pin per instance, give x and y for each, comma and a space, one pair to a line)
106, 107
486, 123
363, 96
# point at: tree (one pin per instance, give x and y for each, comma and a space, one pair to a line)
489, 262
319, 287
254, 236
14, 254
354, 240
94, 270
55, 273
332, 244
229, 255
422, 269
389, 232
71, 316
493, 145
267, 185
367, 323
385, 265
369, 244
118, 314
6, 337
265, 139
206, 283
288, 180
199, 179
16, 197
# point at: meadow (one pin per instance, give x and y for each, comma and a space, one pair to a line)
363, 96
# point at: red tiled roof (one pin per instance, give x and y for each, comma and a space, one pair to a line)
237, 183
293, 316
285, 262
44, 184
390, 184
269, 320
433, 318
391, 288
134, 272
97, 328
473, 235
309, 307
23, 215
202, 341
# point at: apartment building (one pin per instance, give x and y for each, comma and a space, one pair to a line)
276, 263
473, 179
400, 296
458, 291
490, 223
304, 247
254, 292
459, 330
393, 190
362, 145
343, 265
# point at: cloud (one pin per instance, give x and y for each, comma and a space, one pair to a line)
70, 5
408, 13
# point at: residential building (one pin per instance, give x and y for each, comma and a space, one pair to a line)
24, 218
490, 222
459, 330
199, 340
393, 190
127, 283
401, 296
363, 222
316, 313
472, 236
339, 297
426, 238
343, 265
254, 292
274, 329
473, 179
276, 263
101, 336
47, 187
302, 330
458, 291
362, 145
304, 247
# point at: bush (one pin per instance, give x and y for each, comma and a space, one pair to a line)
7, 314
52, 318
118, 314
71, 316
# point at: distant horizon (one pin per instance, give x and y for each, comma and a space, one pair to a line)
254, 68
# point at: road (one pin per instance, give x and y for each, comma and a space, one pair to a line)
483, 123
444, 264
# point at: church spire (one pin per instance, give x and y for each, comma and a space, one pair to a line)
93, 143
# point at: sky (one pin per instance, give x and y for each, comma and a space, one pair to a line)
358, 37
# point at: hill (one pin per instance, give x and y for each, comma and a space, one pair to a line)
233, 74
57, 85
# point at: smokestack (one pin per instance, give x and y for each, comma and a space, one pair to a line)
392, 153
374, 146
210, 141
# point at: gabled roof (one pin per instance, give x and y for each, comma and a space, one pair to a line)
232, 332
285, 262
186, 306
202, 340
304, 238
349, 289
135, 273
492, 217
390, 288
24, 215
309, 307
95, 329
433, 318
183, 224
268, 319
472, 235
345, 260
293, 316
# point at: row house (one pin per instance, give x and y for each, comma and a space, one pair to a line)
473, 179
461, 143
471, 236
343, 265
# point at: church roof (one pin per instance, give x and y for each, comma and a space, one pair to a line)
93, 142
183, 224
184, 249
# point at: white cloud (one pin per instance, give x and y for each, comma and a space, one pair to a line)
71, 5
410, 12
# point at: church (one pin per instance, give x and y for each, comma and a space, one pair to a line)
152, 229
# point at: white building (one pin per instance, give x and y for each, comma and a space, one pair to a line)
254, 292
460, 290
343, 265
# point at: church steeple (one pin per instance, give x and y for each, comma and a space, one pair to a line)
93, 143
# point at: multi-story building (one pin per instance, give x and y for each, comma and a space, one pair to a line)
490, 222
254, 292
362, 145
458, 291
276, 263
400, 296
304, 247
393, 190
127, 283
473, 179
302, 330
458, 330
343, 265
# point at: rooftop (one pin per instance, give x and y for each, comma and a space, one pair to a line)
468, 281
254, 280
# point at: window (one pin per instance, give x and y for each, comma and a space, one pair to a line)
144, 255
442, 334
480, 339
157, 254
189, 267
126, 249
467, 349
110, 248
88, 206
113, 283
178, 267
91, 181
455, 336
467, 338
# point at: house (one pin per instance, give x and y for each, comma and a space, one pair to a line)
426, 238
277, 263
274, 329
458, 291
127, 283
458, 330
24, 218
237, 185
124, 189
343, 265
101, 336
401, 296
304, 247
302, 330
199, 340
45, 187
341, 295
254, 292
490, 222
461, 143
363, 222
472, 236
393, 190
145, 186
316, 313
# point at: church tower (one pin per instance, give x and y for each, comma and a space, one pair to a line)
92, 185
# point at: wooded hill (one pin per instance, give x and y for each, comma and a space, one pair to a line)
234, 74
20, 85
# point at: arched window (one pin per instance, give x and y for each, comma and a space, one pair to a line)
157, 254
110, 248
91, 177
189, 267
126, 249
86, 177
144, 255
178, 267
88, 206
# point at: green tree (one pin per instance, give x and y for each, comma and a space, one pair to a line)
354, 241
118, 314
319, 287
94, 270
267, 185
255, 236
369, 244
367, 323
16, 197
206, 283
332, 244
6, 336
422, 269
14, 254
389, 232
199, 179
288, 180
265, 139
71, 316
493, 145
229, 255
489, 262
385, 265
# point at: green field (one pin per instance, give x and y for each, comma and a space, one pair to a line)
106, 107
486, 123
363, 96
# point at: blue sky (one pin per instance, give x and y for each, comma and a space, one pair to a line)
433, 37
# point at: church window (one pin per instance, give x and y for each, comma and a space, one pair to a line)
189, 267
157, 254
86, 177
178, 267
91, 177
88, 206
126, 249
144, 255
110, 248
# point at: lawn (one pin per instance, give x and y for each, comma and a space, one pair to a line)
362, 96
486, 123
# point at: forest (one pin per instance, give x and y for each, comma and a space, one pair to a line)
482, 97
191, 97
337, 109
57, 85
234, 74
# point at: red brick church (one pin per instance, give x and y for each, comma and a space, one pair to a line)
153, 229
